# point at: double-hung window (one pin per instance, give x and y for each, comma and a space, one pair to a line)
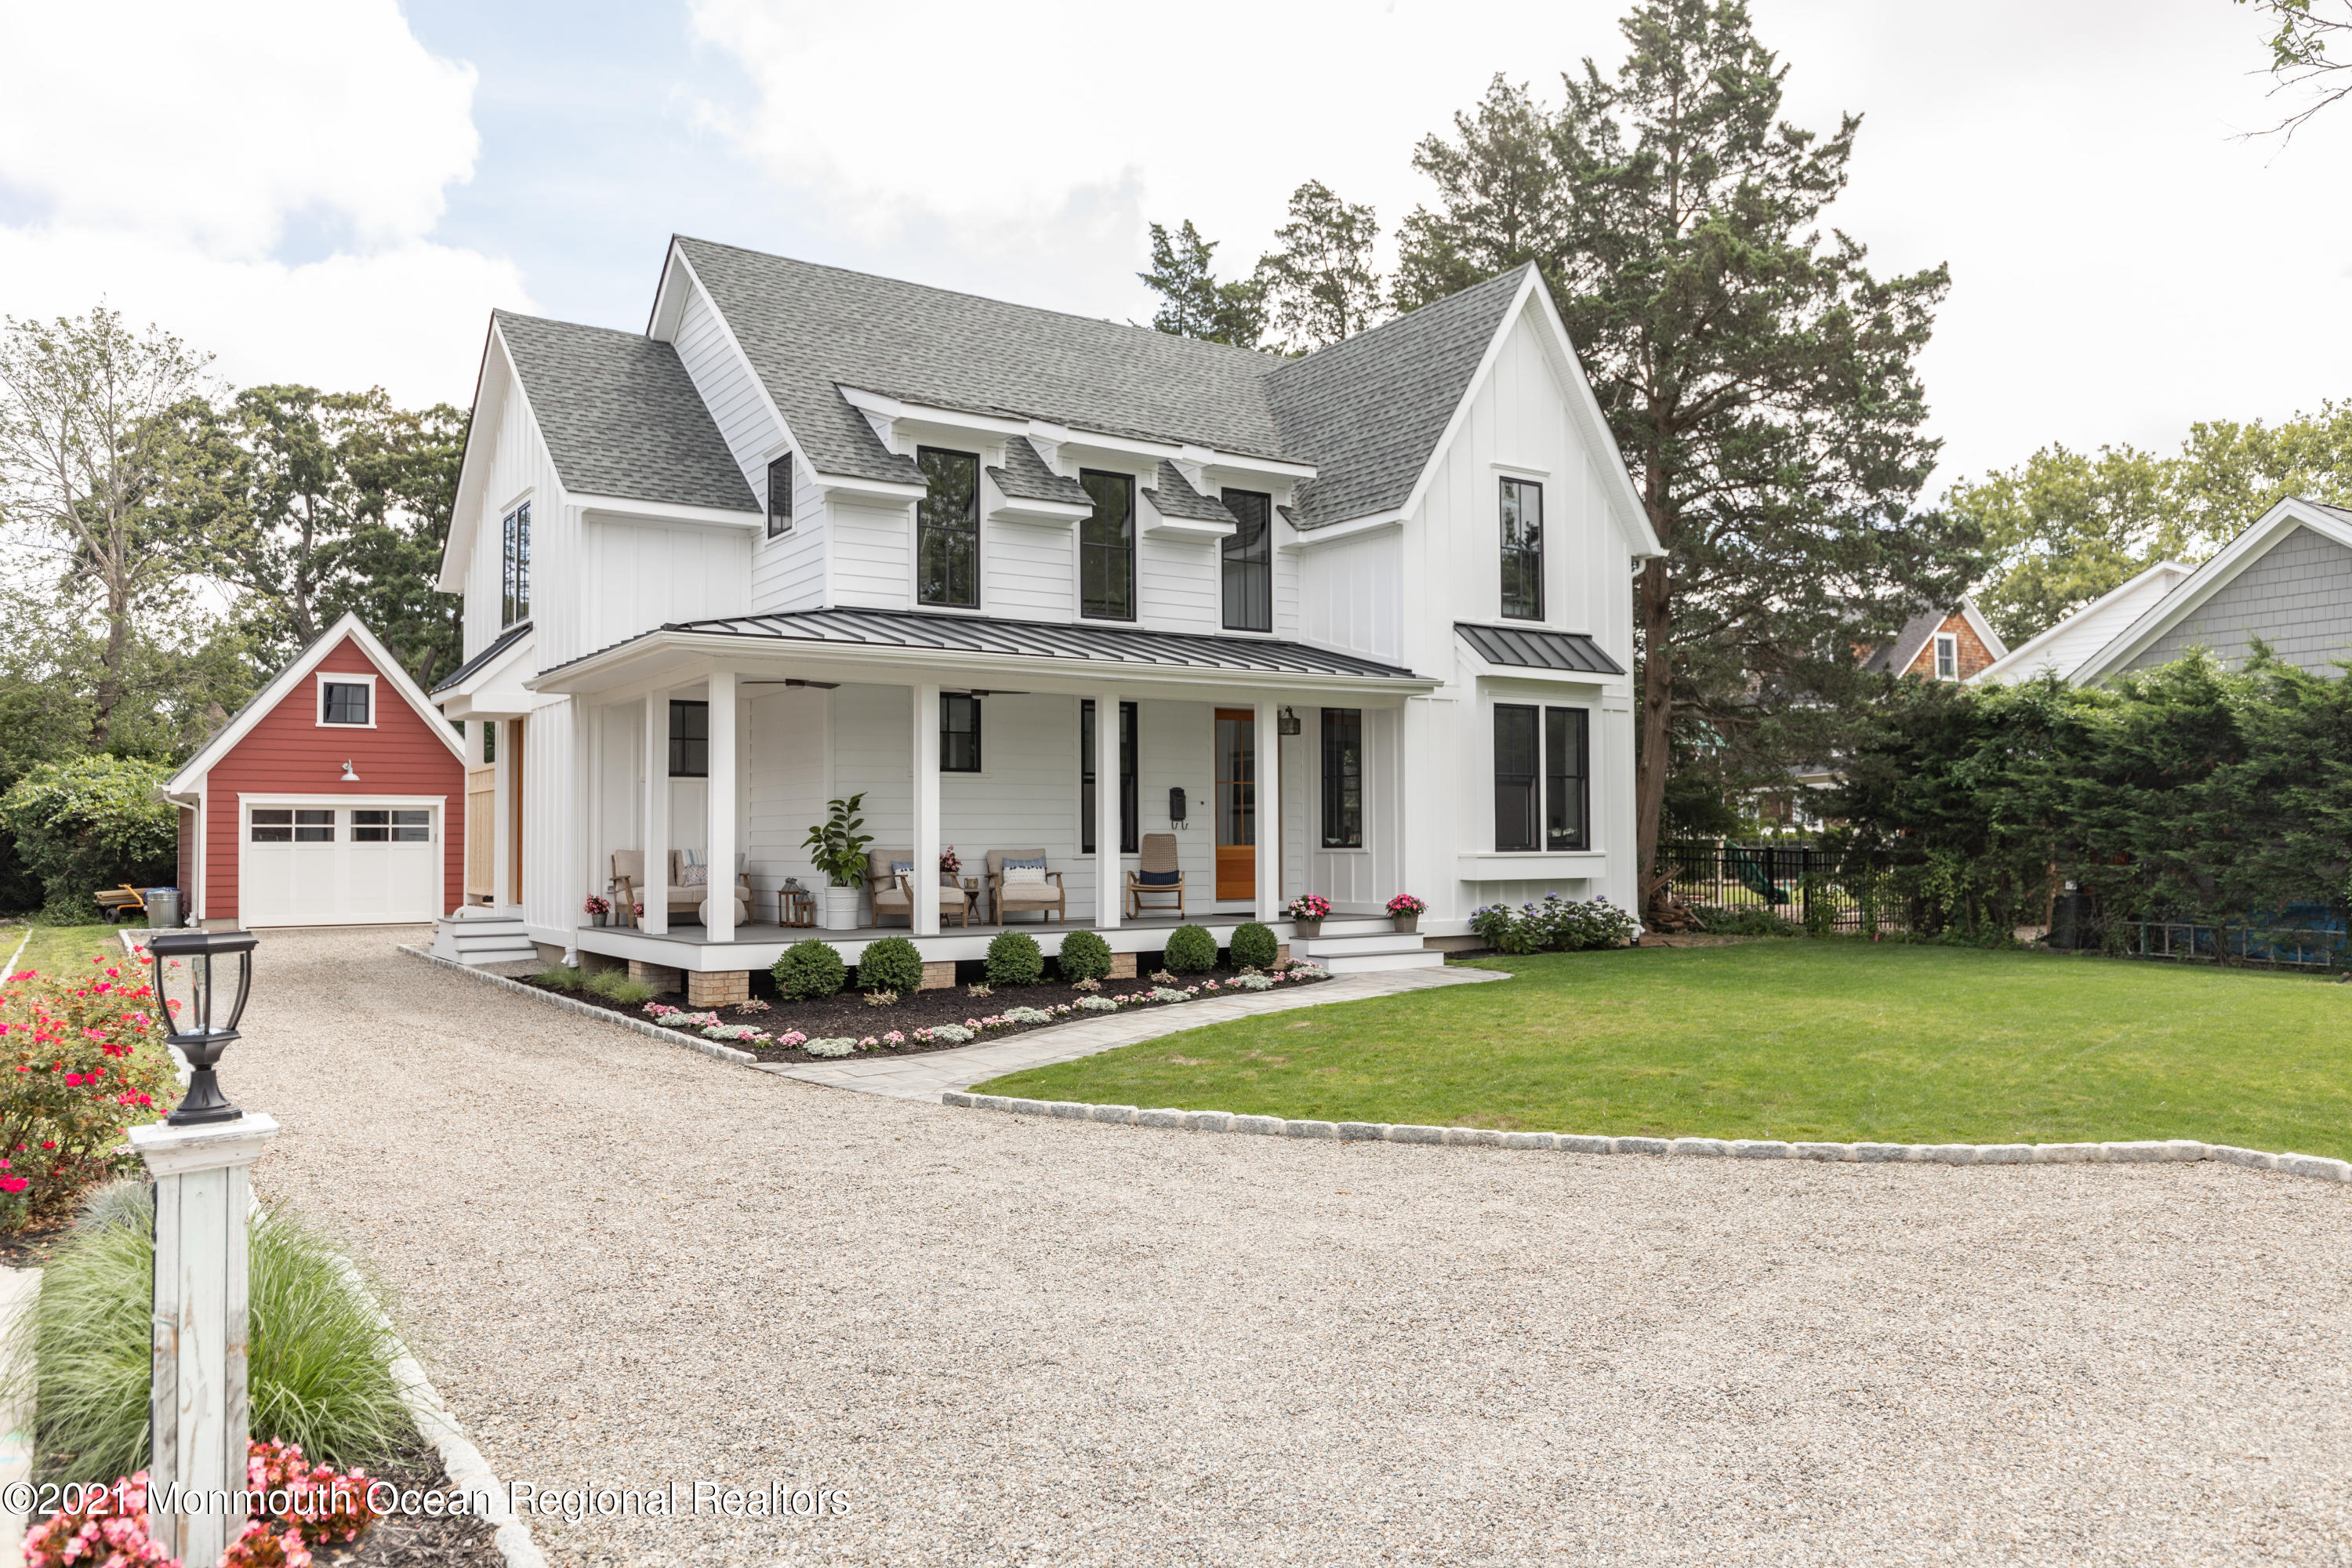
1343, 778
1129, 794
1249, 563
514, 568
947, 529
958, 733
780, 496
1543, 778
1523, 596
690, 740
1107, 548
1948, 656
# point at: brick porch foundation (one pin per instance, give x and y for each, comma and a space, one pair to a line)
718, 987
938, 977
660, 976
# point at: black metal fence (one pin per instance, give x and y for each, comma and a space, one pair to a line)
1807, 884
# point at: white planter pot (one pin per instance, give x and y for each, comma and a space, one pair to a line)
837, 909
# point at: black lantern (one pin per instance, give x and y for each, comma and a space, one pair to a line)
1285, 722
195, 1035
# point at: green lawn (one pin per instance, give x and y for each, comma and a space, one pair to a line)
1837, 1040
63, 950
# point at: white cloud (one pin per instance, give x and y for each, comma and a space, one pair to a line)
261, 178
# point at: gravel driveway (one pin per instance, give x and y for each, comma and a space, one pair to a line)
1031, 1343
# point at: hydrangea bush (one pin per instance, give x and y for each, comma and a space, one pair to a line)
1555, 925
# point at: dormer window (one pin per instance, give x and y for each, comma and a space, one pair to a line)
780, 496
947, 529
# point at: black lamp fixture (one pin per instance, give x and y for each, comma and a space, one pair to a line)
195, 1035
1285, 722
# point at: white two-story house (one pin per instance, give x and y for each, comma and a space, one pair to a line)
1355, 623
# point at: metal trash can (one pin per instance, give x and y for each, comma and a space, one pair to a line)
164, 908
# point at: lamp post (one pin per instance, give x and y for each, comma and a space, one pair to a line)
200, 1156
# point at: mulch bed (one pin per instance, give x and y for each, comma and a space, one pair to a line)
415, 1540
847, 1014
31, 1248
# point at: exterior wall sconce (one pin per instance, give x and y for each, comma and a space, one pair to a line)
349, 776
1286, 722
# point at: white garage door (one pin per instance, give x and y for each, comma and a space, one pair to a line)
335, 863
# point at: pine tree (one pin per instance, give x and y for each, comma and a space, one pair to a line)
1759, 380
1319, 282
1192, 303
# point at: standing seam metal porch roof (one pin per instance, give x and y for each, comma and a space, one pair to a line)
1034, 639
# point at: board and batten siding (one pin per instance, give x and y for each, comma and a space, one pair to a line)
520, 468
289, 753
643, 574
2297, 598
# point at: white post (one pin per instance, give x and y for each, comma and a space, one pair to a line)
1110, 883
581, 880
503, 892
656, 892
198, 1406
1266, 793
924, 751
719, 903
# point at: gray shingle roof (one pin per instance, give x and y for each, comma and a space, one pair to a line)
1896, 657
1026, 477
1175, 498
1368, 412
1532, 647
1039, 639
620, 416
499, 645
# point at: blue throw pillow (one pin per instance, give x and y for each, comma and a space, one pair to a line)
1038, 861
1159, 879
902, 868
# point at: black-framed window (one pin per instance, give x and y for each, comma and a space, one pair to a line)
1249, 563
1131, 793
690, 740
1343, 778
373, 826
1567, 778
1107, 548
314, 827
514, 568
272, 825
780, 496
1518, 786
947, 529
343, 702
958, 733
1523, 594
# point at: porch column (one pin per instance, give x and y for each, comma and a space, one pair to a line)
580, 850
719, 904
1266, 791
654, 894
1110, 901
924, 751
503, 892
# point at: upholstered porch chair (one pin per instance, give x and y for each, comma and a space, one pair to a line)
629, 879
893, 889
1156, 876
1008, 897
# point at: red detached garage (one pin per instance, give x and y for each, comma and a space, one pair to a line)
337, 797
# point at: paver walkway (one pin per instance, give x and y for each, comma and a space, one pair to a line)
933, 1073
1025, 1341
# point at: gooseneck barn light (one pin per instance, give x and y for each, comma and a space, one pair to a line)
195, 1032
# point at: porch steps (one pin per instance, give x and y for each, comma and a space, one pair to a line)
1368, 949
479, 940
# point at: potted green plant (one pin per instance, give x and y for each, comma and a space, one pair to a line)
1307, 912
1406, 910
838, 850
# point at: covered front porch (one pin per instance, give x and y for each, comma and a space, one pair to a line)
993, 745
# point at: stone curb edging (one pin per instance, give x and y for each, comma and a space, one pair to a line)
2147, 1152
712, 1048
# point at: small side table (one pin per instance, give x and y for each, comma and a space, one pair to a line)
795, 907
970, 900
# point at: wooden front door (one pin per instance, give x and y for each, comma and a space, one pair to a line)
1236, 803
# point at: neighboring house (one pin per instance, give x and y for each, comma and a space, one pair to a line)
2286, 579
1355, 623
2065, 648
335, 798
1940, 644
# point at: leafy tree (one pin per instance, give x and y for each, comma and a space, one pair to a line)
1192, 303
2064, 527
1759, 380
90, 822
1318, 282
402, 467
2300, 57
97, 427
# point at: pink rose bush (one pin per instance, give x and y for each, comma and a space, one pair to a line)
81, 1061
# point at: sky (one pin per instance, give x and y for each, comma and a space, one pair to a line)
339, 194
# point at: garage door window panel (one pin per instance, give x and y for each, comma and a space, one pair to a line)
271, 825
313, 827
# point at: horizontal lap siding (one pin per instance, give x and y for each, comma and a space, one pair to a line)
1029, 571
1179, 583
2297, 598
872, 560
289, 753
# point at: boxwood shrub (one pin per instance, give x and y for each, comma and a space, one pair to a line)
1191, 950
1085, 956
810, 968
891, 964
1015, 958
1253, 947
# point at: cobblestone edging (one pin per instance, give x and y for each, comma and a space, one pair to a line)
652, 1031
2151, 1152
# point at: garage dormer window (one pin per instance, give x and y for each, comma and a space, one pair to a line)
347, 699
514, 568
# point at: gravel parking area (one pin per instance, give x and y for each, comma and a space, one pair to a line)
1017, 1342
